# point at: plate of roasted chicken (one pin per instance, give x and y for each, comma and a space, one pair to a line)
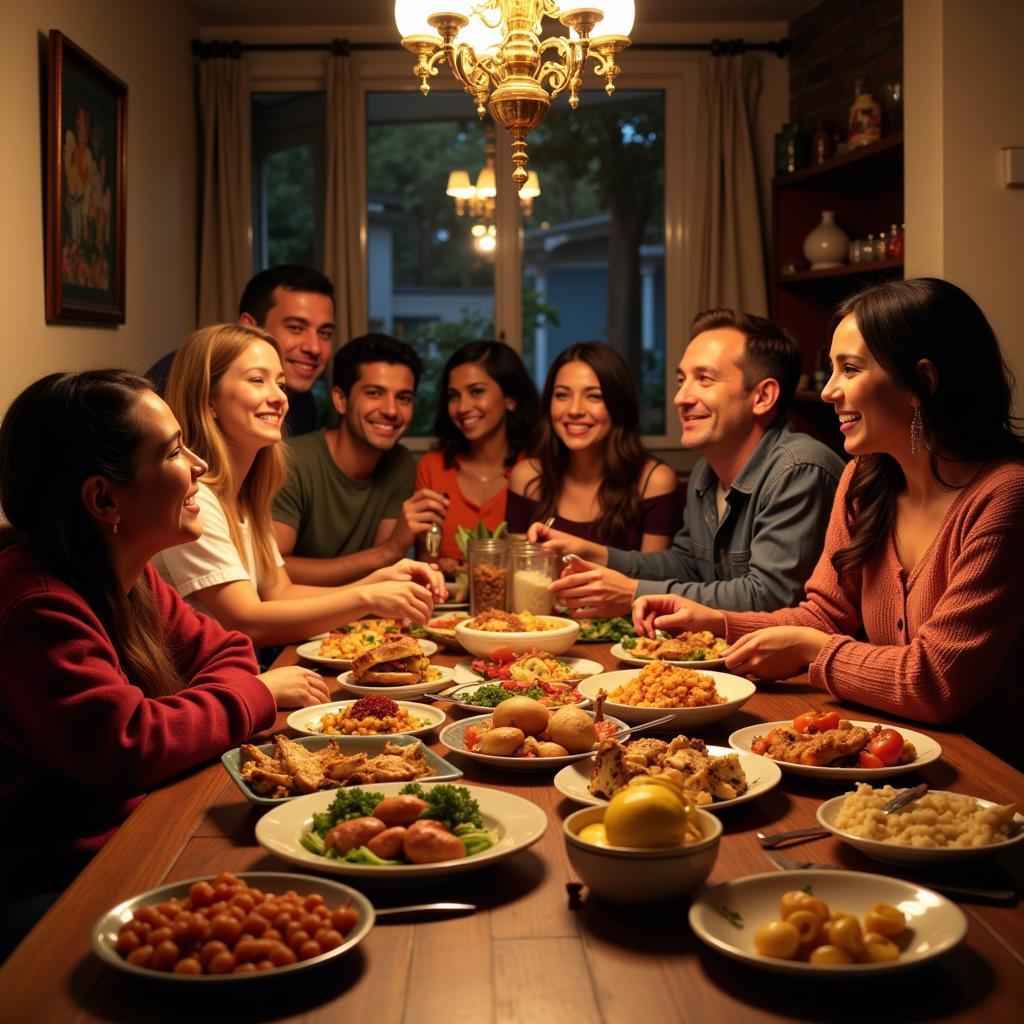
700, 649
271, 773
823, 745
714, 777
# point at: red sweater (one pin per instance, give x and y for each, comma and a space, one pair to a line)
939, 640
77, 738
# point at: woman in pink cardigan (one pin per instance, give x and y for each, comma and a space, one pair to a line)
916, 605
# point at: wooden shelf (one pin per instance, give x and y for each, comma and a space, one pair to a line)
887, 152
847, 270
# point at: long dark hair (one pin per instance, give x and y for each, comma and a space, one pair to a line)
58, 432
625, 454
968, 418
504, 366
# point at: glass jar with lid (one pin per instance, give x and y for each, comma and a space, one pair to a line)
488, 574
532, 570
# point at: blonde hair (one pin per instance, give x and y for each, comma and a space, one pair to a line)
195, 377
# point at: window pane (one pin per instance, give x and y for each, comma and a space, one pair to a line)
428, 282
288, 147
594, 253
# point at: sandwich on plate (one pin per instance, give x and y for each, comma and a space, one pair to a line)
399, 662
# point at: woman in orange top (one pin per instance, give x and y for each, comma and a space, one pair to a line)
487, 406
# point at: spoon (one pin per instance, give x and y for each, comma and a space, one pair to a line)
426, 909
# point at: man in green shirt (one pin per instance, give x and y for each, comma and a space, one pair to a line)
346, 508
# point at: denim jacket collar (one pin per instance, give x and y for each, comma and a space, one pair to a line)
748, 476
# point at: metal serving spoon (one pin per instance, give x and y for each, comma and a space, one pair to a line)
426, 910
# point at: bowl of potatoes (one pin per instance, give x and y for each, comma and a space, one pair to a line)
521, 734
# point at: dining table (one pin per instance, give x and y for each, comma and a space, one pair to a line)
538, 949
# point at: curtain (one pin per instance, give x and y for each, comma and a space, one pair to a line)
342, 258
732, 267
225, 253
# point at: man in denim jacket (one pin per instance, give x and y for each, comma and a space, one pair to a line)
758, 501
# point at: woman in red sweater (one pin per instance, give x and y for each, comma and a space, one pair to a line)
916, 605
112, 685
486, 407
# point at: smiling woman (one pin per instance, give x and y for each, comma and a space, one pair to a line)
96, 647
226, 389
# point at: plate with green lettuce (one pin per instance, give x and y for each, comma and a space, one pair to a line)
490, 823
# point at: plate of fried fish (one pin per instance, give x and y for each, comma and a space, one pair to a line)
714, 777
271, 773
830, 747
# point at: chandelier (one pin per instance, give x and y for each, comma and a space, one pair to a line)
494, 49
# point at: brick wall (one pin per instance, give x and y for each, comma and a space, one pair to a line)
835, 42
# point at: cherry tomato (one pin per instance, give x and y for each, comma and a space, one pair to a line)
503, 655
865, 759
887, 746
816, 721
760, 745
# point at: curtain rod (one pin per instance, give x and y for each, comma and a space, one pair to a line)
204, 49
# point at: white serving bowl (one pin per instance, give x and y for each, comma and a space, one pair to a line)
735, 689
554, 641
893, 853
629, 876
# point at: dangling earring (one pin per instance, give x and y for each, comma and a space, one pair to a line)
116, 521
916, 431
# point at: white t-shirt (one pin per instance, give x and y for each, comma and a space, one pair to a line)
212, 559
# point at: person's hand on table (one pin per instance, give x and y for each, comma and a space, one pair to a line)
591, 591
295, 687
776, 652
673, 614
400, 599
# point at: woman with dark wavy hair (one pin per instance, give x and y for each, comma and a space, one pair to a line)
588, 467
926, 538
112, 684
486, 408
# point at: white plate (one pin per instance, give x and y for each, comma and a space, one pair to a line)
762, 775
310, 650
395, 692
104, 933
453, 737
519, 822
892, 853
736, 691
934, 924
305, 719
623, 655
927, 751
457, 692
554, 641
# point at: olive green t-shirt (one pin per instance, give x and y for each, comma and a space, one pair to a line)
331, 513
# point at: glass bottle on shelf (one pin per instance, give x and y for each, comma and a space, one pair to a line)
867, 250
865, 118
894, 250
881, 246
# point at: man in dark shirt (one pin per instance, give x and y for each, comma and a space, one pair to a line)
758, 502
296, 305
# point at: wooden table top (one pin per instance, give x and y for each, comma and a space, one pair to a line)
525, 955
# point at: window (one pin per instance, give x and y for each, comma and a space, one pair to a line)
593, 249
288, 178
428, 283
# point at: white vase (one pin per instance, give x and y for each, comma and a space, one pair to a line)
828, 244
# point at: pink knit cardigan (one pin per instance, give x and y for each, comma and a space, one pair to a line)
939, 639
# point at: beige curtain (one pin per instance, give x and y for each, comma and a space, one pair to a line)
343, 262
225, 253
732, 268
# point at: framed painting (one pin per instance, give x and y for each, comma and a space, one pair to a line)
87, 111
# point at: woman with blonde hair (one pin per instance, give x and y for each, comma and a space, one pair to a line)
226, 388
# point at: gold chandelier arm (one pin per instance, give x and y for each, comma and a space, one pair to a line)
559, 73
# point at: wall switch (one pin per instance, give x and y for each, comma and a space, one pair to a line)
1013, 166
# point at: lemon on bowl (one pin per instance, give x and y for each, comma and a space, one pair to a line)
633, 852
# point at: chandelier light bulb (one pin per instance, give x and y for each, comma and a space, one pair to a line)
411, 19
459, 185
